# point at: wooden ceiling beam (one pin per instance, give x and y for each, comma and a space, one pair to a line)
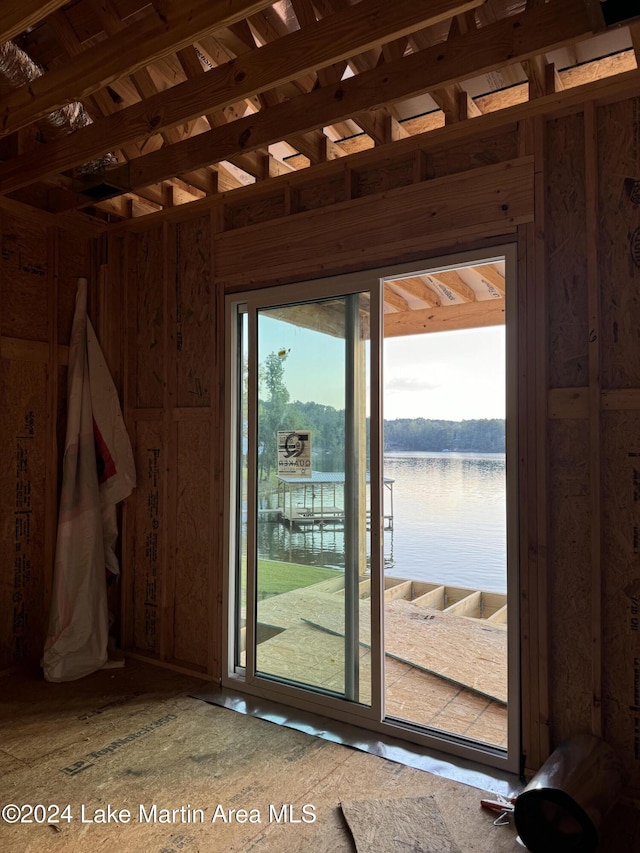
261, 165
419, 289
462, 24
230, 177
453, 100
305, 14
68, 40
508, 40
268, 25
191, 59
141, 79
121, 207
455, 103
136, 46
203, 179
449, 280
199, 178
468, 315
393, 50
328, 41
257, 163
183, 193
393, 299
106, 13
543, 77
237, 39
63, 198
363, 60
380, 126
100, 104
270, 29
108, 16
17, 16
491, 277
85, 24
315, 146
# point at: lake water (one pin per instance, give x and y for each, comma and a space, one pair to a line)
449, 518
449, 523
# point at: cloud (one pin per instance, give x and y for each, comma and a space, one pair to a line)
410, 383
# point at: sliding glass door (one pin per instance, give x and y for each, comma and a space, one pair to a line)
374, 561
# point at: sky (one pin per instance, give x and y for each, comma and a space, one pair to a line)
442, 375
451, 376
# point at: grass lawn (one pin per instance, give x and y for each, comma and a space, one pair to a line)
275, 578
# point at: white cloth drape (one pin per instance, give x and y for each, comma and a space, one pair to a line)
98, 472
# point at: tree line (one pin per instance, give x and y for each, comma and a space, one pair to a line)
326, 425
485, 435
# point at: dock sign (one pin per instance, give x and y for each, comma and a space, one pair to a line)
294, 453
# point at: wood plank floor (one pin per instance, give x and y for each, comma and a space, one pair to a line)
134, 737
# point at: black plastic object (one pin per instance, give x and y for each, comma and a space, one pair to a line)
562, 808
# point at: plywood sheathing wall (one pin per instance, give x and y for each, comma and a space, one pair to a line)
592, 227
171, 606
618, 263
39, 268
569, 487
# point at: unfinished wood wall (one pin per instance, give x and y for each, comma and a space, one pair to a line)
593, 266
162, 275
39, 267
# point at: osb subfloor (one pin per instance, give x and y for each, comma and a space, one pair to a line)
430, 657
134, 737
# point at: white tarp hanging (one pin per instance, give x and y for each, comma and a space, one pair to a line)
98, 472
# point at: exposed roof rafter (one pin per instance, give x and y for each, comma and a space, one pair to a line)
211, 95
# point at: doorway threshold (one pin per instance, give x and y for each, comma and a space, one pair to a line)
384, 746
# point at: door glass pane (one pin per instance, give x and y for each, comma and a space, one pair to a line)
312, 627
445, 611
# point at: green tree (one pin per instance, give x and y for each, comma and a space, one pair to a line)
272, 408
326, 426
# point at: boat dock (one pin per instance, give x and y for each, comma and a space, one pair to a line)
316, 500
